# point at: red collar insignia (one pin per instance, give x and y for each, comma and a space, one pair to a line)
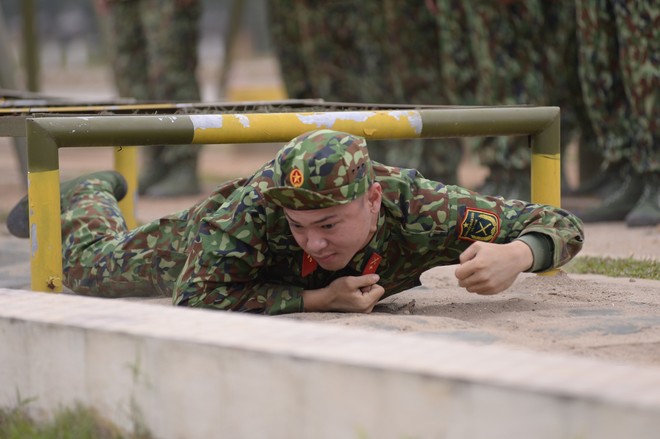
372, 264
308, 264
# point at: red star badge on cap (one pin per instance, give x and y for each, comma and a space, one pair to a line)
296, 178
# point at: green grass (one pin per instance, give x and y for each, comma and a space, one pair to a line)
77, 423
615, 267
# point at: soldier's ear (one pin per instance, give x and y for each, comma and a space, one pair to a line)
374, 197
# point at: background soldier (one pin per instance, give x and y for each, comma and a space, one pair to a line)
328, 50
155, 58
618, 45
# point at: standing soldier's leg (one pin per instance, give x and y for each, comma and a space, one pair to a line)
131, 66
410, 74
287, 41
515, 73
128, 50
638, 25
564, 90
172, 35
608, 69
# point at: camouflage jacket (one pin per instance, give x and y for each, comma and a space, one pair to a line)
240, 254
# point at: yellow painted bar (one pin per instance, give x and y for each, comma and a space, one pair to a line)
45, 231
126, 164
546, 179
546, 165
282, 127
546, 171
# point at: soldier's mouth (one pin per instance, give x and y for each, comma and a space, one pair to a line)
324, 259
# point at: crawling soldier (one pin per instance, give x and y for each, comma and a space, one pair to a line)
319, 228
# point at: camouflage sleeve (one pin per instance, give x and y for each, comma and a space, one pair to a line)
225, 266
494, 219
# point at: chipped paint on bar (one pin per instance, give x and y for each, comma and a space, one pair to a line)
271, 127
243, 120
206, 121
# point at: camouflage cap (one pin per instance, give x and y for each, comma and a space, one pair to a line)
320, 169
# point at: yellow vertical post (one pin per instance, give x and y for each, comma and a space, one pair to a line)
546, 170
126, 164
45, 230
546, 165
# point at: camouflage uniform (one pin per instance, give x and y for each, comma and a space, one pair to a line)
328, 50
235, 251
510, 52
618, 46
155, 58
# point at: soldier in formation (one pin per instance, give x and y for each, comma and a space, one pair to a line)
618, 47
155, 59
505, 52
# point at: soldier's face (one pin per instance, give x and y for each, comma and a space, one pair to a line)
332, 236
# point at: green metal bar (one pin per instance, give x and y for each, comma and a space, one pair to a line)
30, 45
46, 135
485, 121
117, 130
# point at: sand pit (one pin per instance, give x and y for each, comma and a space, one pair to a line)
617, 319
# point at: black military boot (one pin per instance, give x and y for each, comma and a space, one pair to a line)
617, 205
603, 183
511, 184
18, 221
647, 210
181, 180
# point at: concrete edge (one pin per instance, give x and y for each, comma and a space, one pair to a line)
55, 335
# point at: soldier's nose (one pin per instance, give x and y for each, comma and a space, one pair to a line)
315, 244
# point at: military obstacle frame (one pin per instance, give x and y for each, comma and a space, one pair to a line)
45, 135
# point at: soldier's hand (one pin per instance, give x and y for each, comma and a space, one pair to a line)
346, 294
487, 268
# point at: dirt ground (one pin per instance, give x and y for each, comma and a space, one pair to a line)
615, 319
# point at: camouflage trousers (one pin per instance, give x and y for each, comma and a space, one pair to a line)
155, 57
328, 50
618, 46
102, 258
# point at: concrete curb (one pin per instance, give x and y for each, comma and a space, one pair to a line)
184, 373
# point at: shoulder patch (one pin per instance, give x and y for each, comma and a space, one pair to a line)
479, 225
